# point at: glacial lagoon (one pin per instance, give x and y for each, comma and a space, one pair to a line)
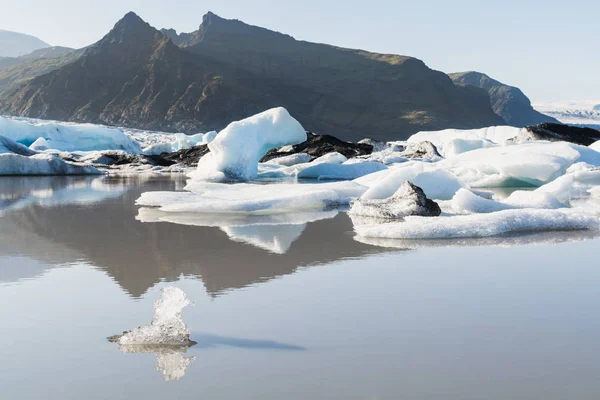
298, 310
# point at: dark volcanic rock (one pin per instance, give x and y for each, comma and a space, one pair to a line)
319, 145
409, 199
566, 133
188, 157
421, 150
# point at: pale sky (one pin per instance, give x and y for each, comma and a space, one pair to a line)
548, 48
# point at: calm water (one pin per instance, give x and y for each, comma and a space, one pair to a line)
292, 309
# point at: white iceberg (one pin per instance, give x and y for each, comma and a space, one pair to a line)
42, 164
167, 326
246, 198
292, 159
237, 149
531, 164
436, 183
50, 135
595, 146
181, 142
329, 171
480, 225
495, 134
467, 202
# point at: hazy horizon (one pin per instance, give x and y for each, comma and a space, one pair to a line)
513, 42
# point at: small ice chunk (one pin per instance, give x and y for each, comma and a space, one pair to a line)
167, 326
292, 159
328, 171
595, 146
480, 225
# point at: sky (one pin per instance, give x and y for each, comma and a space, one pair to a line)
548, 48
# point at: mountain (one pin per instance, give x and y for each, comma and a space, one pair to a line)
13, 44
15, 71
137, 76
507, 101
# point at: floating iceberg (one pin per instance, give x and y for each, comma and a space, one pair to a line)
237, 149
528, 164
292, 159
246, 198
595, 146
437, 184
467, 202
41, 164
167, 326
8, 146
45, 135
495, 134
480, 225
329, 171
181, 142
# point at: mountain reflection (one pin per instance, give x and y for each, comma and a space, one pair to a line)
94, 220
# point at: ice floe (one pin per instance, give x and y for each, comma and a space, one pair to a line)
248, 198
480, 225
44, 135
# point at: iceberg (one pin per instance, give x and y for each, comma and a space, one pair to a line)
329, 171
42, 164
247, 198
480, 225
237, 149
50, 135
528, 164
467, 202
595, 146
436, 183
495, 134
167, 326
181, 142
8, 146
292, 159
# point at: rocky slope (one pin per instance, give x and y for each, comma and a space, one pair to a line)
136, 76
507, 101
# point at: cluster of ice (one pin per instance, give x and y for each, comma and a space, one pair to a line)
50, 135
236, 150
167, 326
452, 167
180, 142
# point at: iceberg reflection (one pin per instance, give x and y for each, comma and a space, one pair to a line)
272, 232
171, 362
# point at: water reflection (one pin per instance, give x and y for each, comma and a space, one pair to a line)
274, 233
171, 362
138, 255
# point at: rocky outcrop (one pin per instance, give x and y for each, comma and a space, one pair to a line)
507, 101
319, 145
566, 133
408, 200
189, 157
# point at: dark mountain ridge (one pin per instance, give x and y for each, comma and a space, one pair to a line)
137, 76
508, 102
